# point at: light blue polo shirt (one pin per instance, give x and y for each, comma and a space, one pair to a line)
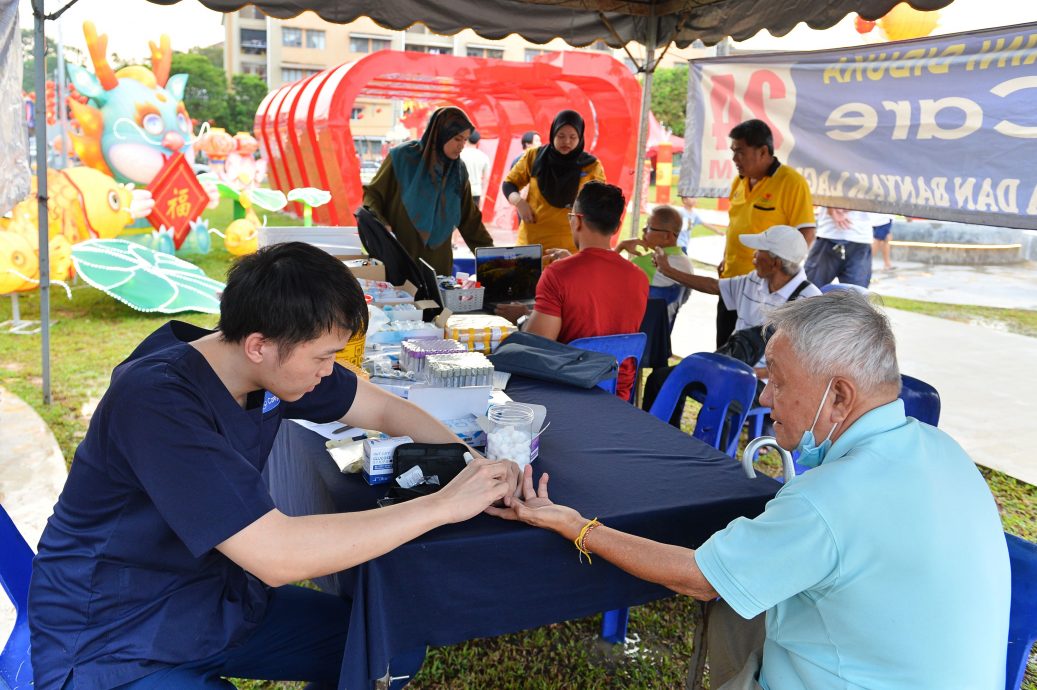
885, 567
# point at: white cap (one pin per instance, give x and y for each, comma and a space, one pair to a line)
783, 241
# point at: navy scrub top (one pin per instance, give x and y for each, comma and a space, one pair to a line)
127, 580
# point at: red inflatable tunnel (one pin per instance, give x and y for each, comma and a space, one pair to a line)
304, 130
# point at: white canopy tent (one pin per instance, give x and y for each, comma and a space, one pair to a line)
652, 23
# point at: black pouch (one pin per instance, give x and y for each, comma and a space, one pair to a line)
541, 358
441, 460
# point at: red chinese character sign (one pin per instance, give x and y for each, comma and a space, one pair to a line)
179, 198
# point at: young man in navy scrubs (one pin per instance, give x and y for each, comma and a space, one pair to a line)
166, 564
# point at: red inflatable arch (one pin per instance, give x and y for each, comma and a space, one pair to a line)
304, 126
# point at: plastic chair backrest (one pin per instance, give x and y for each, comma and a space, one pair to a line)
623, 347
921, 400
15, 571
842, 286
726, 381
1022, 623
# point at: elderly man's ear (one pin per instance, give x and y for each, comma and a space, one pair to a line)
844, 398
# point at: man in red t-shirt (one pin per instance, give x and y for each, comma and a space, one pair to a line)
596, 291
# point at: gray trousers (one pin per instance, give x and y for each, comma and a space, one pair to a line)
734, 646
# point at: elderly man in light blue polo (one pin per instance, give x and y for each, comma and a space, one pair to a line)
884, 567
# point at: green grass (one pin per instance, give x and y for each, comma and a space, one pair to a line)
94, 332
1021, 321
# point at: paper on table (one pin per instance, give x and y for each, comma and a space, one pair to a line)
329, 430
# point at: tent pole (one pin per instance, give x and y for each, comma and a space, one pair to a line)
40, 56
642, 131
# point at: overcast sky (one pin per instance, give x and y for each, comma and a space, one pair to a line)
189, 24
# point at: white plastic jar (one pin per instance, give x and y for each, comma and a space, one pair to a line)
511, 433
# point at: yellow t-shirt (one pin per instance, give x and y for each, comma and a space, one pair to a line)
551, 228
781, 198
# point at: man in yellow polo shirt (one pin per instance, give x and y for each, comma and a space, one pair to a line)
765, 193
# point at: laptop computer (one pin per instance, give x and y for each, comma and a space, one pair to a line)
509, 274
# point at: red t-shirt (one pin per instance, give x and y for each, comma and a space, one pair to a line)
595, 292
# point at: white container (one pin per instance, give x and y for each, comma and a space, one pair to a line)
510, 433
377, 464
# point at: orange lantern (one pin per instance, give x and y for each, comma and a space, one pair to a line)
217, 144
246, 143
904, 22
863, 25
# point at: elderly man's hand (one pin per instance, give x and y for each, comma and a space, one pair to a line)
512, 312
632, 246
535, 508
662, 261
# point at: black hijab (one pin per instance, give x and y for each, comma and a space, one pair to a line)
558, 175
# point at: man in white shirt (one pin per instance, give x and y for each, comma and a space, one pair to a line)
778, 278
842, 248
478, 165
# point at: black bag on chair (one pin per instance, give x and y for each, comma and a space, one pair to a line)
399, 265
545, 359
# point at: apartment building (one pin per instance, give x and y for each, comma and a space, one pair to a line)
283, 51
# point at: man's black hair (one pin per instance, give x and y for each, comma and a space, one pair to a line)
292, 293
755, 133
474, 137
601, 205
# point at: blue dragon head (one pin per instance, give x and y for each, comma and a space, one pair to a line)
135, 119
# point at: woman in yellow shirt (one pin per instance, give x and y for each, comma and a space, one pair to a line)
554, 174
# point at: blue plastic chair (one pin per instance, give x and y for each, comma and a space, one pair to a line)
842, 286
1022, 622
623, 347
921, 400
15, 570
726, 381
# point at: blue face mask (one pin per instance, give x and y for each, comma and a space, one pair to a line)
811, 455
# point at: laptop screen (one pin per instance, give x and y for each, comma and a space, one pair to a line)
509, 274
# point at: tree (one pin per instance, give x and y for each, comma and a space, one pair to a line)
213, 53
29, 62
206, 94
247, 92
670, 97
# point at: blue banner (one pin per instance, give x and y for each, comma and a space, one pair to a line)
942, 128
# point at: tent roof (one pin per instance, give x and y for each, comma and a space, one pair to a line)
581, 22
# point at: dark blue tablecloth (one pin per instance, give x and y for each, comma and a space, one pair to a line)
487, 576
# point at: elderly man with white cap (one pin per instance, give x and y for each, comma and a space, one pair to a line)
778, 278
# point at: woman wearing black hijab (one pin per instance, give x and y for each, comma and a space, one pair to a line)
422, 192
554, 173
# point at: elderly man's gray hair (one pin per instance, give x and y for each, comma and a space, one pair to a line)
841, 333
789, 268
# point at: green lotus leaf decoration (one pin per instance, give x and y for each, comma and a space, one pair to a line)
145, 279
311, 196
267, 199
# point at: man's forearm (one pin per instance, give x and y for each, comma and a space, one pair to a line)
704, 284
668, 565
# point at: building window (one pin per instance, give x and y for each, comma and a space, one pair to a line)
257, 69
534, 53
476, 51
315, 39
431, 50
600, 46
291, 38
289, 74
253, 41
356, 113
363, 44
252, 13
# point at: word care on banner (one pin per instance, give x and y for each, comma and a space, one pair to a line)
942, 128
